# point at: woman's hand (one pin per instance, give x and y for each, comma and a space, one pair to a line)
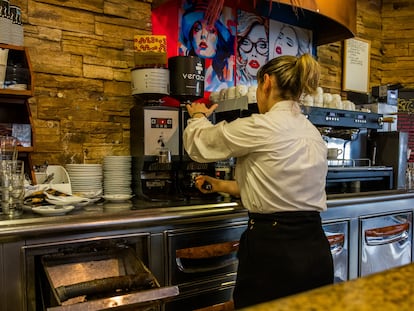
208, 184
198, 110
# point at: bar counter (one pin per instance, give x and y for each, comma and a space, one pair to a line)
389, 290
140, 213
108, 215
157, 229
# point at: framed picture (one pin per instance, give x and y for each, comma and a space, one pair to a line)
356, 64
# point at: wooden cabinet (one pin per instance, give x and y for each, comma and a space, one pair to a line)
15, 116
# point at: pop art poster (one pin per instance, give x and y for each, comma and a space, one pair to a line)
214, 43
285, 39
252, 50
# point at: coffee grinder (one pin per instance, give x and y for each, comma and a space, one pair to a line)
187, 85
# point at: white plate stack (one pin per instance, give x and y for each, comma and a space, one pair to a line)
86, 179
117, 178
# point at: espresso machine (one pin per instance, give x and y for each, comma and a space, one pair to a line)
355, 168
155, 151
161, 169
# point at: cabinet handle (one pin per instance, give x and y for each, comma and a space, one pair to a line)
208, 251
387, 235
206, 258
336, 241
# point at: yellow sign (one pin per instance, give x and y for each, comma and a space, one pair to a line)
150, 43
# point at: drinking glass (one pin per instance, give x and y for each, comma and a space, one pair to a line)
8, 151
8, 148
12, 187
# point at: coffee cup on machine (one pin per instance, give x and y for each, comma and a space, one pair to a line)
164, 156
334, 153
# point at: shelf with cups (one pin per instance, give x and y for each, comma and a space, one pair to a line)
16, 87
15, 72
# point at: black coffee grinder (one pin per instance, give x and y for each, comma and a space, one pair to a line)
187, 85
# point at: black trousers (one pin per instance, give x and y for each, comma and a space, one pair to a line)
281, 254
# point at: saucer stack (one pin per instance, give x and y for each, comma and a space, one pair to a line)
86, 179
117, 178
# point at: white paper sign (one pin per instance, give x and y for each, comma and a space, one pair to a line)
356, 65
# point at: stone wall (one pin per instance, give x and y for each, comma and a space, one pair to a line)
82, 53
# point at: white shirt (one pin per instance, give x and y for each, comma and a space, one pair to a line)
281, 157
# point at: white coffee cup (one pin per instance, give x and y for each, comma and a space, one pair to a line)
231, 92
223, 94
214, 97
334, 153
251, 94
241, 90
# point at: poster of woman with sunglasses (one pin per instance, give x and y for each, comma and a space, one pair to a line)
252, 46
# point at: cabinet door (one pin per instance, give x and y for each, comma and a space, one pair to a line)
199, 254
11, 287
385, 242
337, 234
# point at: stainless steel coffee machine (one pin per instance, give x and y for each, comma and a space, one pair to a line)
161, 168
354, 168
390, 149
155, 133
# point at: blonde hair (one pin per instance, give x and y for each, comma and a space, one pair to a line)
294, 75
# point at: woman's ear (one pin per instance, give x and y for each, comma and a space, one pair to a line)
267, 83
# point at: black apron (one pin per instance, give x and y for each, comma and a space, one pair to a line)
281, 254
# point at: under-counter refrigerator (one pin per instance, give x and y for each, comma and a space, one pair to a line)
385, 242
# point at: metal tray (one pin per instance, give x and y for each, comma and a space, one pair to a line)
99, 280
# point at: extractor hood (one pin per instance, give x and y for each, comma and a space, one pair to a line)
331, 21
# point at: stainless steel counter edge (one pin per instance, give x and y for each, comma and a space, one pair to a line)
99, 219
368, 197
84, 221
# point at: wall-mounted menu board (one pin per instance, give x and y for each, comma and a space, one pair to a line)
356, 65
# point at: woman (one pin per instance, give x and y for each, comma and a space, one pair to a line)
288, 42
252, 47
213, 42
280, 176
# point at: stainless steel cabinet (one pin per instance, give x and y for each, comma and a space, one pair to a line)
202, 261
385, 242
11, 286
338, 237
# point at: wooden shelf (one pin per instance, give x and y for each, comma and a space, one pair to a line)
21, 54
25, 149
16, 93
14, 106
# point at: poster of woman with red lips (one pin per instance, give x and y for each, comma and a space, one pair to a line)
212, 42
252, 46
285, 39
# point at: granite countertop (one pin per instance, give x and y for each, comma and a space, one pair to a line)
389, 290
